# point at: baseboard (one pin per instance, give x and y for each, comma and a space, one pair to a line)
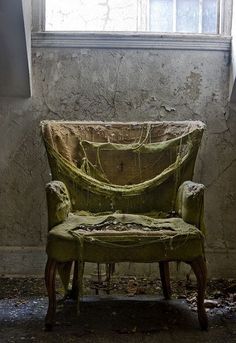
30, 261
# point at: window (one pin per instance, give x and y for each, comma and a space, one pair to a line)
192, 16
187, 16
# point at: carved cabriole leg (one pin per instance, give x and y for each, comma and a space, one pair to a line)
165, 279
50, 273
199, 268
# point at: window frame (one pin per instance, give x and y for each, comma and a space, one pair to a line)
146, 40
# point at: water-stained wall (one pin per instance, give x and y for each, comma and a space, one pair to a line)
119, 85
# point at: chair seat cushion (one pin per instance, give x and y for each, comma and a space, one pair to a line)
108, 238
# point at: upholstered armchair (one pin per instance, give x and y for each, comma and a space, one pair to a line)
123, 192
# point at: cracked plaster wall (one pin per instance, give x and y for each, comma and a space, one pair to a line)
106, 84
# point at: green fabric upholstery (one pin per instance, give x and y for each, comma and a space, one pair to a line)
190, 203
122, 166
170, 239
58, 201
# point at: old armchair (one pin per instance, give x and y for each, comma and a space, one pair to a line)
123, 192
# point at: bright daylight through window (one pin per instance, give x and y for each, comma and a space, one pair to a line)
187, 16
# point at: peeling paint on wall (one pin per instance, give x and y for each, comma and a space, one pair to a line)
122, 85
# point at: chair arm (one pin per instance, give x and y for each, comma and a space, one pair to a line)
58, 201
190, 203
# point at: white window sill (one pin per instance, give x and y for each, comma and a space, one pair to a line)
131, 41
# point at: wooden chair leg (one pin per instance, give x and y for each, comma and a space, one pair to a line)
75, 286
50, 273
199, 268
165, 279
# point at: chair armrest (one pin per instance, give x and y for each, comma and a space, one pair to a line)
58, 201
190, 203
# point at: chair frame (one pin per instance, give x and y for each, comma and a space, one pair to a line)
198, 266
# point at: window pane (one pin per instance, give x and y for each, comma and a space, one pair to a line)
189, 16
161, 15
209, 13
91, 15
187, 12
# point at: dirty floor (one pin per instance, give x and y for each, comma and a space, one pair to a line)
133, 312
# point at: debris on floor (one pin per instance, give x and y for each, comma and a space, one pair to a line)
134, 311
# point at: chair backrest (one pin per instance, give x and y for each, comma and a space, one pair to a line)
127, 167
